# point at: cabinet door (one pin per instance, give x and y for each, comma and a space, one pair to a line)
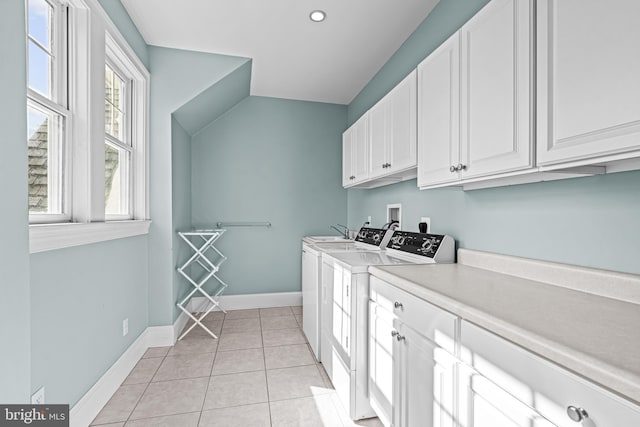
347, 157
345, 340
381, 362
439, 114
378, 129
326, 312
426, 381
361, 150
401, 122
588, 87
540, 384
310, 301
496, 84
484, 404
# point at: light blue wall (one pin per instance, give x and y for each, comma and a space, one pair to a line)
592, 221
181, 190
15, 353
178, 76
269, 160
127, 28
587, 221
447, 17
80, 297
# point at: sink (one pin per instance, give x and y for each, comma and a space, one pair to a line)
326, 239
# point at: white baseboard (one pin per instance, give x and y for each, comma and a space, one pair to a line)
94, 400
97, 397
242, 302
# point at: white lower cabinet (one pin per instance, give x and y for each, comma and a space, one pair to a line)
411, 378
310, 299
502, 384
429, 368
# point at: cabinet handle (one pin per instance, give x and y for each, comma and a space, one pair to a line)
388, 165
394, 333
397, 304
384, 165
461, 167
453, 169
577, 414
399, 337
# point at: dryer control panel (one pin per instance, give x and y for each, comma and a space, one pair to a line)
416, 243
372, 236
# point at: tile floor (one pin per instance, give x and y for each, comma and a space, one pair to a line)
260, 372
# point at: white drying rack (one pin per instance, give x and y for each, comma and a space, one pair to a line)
205, 239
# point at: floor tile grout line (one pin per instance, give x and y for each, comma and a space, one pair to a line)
144, 391
206, 392
266, 380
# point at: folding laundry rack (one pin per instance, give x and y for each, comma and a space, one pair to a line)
209, 258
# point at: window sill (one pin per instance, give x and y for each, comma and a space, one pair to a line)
48, 237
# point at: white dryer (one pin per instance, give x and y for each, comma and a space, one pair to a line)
368, 239
345, 296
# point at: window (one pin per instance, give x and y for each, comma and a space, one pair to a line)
47, 112
118, 149
87, 165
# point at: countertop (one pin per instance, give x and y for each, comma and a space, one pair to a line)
594, 336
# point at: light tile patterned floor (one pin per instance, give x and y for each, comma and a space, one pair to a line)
260, 372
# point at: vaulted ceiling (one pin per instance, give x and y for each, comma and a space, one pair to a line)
293, 57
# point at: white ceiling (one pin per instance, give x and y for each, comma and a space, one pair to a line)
293, 57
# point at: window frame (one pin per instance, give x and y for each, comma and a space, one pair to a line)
92, 38
58, 104
128, 143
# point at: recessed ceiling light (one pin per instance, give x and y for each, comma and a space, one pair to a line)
317, 15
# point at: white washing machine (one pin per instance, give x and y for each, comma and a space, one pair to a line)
368, 239
345, 296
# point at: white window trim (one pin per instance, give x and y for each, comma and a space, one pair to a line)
89, 226
47, 237
58, 104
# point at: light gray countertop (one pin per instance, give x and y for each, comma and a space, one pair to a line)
594, 336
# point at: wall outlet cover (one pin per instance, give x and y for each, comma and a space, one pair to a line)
37, 398
428, 221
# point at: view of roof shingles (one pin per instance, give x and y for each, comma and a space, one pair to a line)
38, 146
38, 164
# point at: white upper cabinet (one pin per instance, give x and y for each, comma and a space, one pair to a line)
474, 98
439, 114
392, 127
496, 82
355, 153
588, 79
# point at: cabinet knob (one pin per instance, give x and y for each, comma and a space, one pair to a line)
397, 304
394, 333
399, 337
384, 165
461, 167
577, 414
453, 169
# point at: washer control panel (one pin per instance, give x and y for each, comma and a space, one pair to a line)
416, 243
372, 236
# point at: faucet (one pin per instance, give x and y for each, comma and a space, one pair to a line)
344, 232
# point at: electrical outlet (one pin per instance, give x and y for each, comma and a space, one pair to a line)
37, 398
125, 327
428, 221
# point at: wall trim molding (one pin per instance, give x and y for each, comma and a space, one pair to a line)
244, 302
90, 405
